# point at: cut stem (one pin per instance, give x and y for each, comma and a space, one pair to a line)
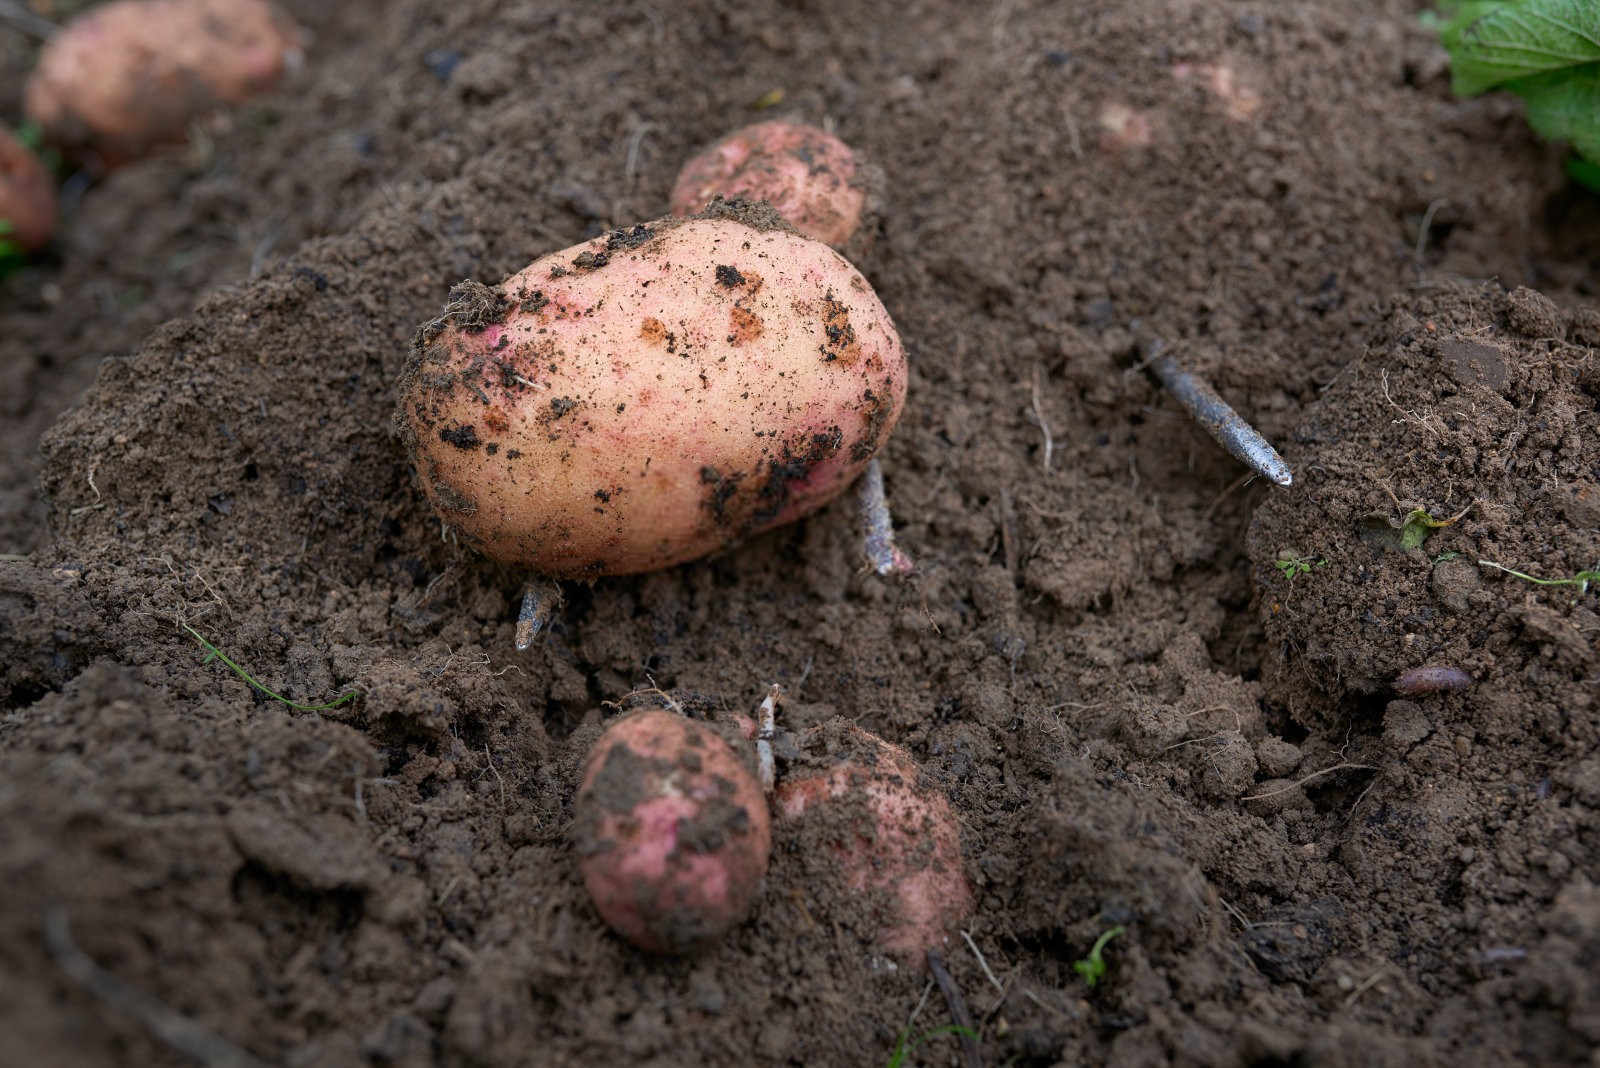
885, 557
1216, 416
539, 602
766, 729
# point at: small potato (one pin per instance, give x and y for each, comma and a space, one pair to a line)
672, 832
131, 75
27, 196
887, 833
652, 395
810, 176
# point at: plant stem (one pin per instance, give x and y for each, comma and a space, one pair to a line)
245, 675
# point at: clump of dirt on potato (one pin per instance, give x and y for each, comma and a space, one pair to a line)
671, 830
1461, 439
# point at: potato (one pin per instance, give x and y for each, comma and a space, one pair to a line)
810, 176
887, 833
652, 395
27, 196
671, 830
131, 75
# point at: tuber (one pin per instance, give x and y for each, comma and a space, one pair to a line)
651, 395
131, 75
27, 196
810, 176
672, 832
887, 832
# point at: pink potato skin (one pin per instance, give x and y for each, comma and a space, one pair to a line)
651, 396
131, 75
672, 832
807, 174
27, 195
892, 835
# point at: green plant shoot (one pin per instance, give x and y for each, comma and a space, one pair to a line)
213, 653
1093, 967
1580, 580
1297, 565
1545, 51
1413, 530
903, 1048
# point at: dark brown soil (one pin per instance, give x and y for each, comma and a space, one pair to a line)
1158, 699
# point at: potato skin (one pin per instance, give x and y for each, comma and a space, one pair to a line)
651, 396
132, 75
810, 176
888, 833
672, 832
27, 195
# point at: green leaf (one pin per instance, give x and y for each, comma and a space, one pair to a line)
1491, 44
1564, 105
1584, 173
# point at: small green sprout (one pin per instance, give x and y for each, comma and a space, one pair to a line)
1580, 580
1413, 530
906, 1044
213, 653
1297, 565
1093, 967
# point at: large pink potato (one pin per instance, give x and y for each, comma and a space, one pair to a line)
888, 834
807, 174
650, 396
27, 196
671, 830
131, 75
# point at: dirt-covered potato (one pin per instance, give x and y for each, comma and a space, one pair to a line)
27, 196
671, 830
652, 395
892, 837
810, 176
131, 75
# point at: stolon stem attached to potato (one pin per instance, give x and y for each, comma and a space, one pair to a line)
885, 557
539, 602
1216, 416
766, 730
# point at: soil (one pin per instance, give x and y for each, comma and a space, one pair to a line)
1158, 697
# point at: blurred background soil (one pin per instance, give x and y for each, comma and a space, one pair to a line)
1160, 697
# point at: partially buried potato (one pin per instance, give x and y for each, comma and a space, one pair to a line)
671, 830
27, 196
810, 176
131, 75
864, 811
652, 395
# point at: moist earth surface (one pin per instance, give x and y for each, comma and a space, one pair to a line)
1328, 755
